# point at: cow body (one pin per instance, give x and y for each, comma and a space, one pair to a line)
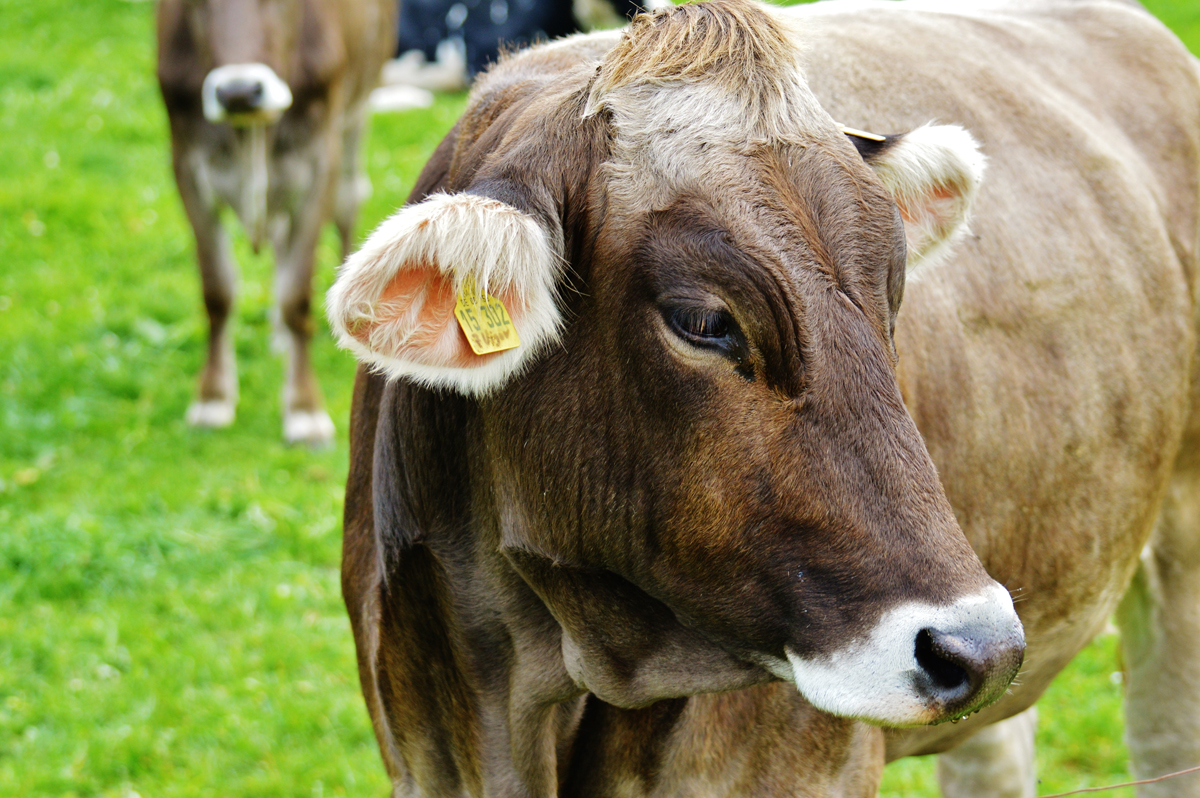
584, 576
1047, 361
266, 102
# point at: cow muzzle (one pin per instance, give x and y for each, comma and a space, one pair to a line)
921, 663
244, 94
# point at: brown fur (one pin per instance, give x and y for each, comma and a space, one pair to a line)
631, 514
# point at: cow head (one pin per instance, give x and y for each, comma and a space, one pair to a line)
243, 63
246, 56
699, 457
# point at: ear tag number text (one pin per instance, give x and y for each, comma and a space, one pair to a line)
484, 320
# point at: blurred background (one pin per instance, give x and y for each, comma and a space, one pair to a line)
170, 613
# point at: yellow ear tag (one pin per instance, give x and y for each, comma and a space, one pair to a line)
484, 320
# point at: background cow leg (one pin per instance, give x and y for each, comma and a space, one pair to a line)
217, 393
997, 762
353, 184
304, 417
1160, 638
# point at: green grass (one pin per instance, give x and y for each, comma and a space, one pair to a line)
170, 618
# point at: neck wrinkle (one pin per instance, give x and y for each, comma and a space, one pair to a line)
469, 664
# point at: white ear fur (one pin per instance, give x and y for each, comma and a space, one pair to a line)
461, 236
933, 173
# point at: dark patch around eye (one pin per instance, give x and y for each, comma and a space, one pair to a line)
712, 329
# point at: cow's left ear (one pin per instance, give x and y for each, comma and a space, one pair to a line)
933, 173
394, 300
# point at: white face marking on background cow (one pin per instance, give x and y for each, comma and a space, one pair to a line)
918, 662
392, 304
244, 94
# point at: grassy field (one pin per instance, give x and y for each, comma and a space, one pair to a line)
170, 618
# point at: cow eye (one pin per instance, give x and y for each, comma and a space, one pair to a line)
711, 329
702, 326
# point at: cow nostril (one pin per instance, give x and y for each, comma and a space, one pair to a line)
241, 96
945, 673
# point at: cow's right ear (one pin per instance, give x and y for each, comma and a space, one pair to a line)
394, 300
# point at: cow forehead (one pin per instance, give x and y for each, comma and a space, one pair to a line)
772, 248
706, 102
690, 93
671, 140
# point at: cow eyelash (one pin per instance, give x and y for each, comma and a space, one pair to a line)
706, 328
700, 325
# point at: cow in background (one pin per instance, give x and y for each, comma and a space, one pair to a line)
266, 101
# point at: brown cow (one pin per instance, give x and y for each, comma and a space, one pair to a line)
696, 474
267, 100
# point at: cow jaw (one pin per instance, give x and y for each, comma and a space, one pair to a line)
921, 663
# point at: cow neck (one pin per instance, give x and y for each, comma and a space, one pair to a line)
470, 668
479, 701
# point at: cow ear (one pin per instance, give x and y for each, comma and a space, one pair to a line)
933, 173
393, 303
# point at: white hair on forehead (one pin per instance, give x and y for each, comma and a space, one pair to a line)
669, 137
689, 90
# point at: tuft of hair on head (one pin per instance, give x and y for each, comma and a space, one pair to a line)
735, 43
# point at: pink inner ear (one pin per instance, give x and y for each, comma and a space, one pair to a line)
415, 321
930, 216
937, 202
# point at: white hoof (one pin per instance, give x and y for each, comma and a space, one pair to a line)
211, 413
312, 427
